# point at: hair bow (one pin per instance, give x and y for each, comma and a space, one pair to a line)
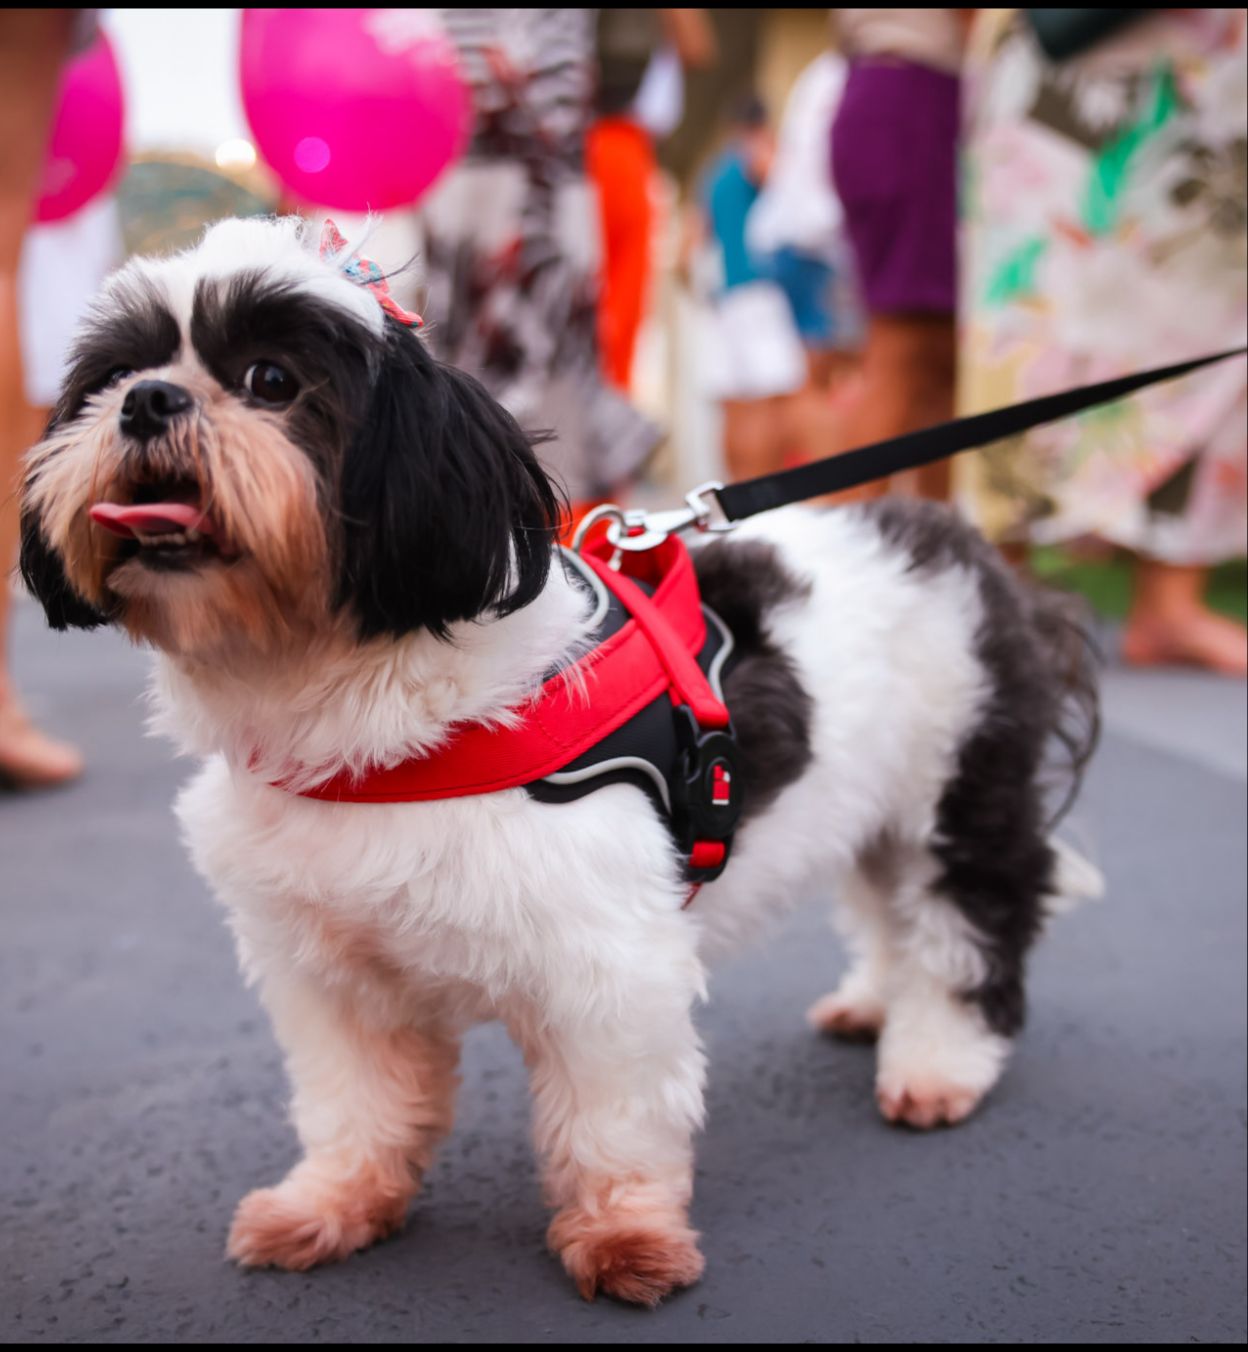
367, 274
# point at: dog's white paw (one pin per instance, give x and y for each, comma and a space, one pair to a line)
299, 1223
926, 1104
848, 1012
937, 1080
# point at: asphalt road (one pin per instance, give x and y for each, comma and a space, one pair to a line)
1100, 1195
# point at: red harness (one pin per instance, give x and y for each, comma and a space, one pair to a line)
652, 654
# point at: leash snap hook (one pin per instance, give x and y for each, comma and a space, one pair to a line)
607, 512
636, 530
708, 515
701, 512
632, 531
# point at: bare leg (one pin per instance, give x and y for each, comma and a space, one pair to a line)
33, 47
370, 1105
754, 437
1016, 554
1170, 622
815, 419
907, 383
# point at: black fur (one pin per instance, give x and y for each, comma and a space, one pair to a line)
46, 581
771, 709
991, 837
136, 332
446, 512
333, 356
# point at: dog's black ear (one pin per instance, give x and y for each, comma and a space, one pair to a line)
44, 576
446, 513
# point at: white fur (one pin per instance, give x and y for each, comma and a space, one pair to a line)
1077, 880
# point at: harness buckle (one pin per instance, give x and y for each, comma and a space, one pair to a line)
708, 793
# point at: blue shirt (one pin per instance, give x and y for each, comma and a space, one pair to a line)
729, 193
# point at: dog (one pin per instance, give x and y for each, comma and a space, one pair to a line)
342, 550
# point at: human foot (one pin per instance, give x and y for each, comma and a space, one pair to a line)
1198, 637
29, 759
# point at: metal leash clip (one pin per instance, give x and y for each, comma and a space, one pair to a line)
636, 530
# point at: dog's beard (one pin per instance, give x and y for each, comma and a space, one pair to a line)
254, 574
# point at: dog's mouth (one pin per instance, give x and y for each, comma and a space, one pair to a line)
163, 526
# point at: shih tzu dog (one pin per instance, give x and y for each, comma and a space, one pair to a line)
342, 552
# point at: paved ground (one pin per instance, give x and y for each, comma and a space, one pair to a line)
1100, 1196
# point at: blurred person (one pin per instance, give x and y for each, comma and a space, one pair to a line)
894, 164
63, 265
797, 224
34, 45
640, 100
1105, 233
511, 246
755, 362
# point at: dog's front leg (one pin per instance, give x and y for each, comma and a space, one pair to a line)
617, 1084
371, 1102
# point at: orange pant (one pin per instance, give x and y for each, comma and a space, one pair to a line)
620, 162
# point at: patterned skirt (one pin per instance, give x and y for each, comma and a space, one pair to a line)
512, 247
1103, 231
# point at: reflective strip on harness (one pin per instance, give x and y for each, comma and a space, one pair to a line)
623, 674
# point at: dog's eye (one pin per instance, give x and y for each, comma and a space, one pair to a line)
270, 383
116, 374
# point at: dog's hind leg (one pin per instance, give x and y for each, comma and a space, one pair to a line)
938, 1054
855, 1010
370, 1104
967, 905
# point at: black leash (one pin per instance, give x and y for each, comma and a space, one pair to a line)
882, 458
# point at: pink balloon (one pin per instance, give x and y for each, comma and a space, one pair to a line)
355, 109
85, 150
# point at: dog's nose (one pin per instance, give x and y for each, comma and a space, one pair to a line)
150, 406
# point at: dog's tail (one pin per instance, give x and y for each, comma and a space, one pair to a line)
1063, 628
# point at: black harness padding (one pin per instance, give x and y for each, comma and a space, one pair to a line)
660, 750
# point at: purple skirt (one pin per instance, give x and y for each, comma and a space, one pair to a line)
894, 163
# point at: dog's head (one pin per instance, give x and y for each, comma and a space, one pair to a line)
249, 448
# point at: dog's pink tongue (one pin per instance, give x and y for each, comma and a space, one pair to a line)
150, 518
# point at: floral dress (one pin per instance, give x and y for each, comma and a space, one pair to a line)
1103, 232
512, 249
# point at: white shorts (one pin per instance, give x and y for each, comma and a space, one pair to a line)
751, 349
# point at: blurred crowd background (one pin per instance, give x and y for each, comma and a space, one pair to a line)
706, 244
